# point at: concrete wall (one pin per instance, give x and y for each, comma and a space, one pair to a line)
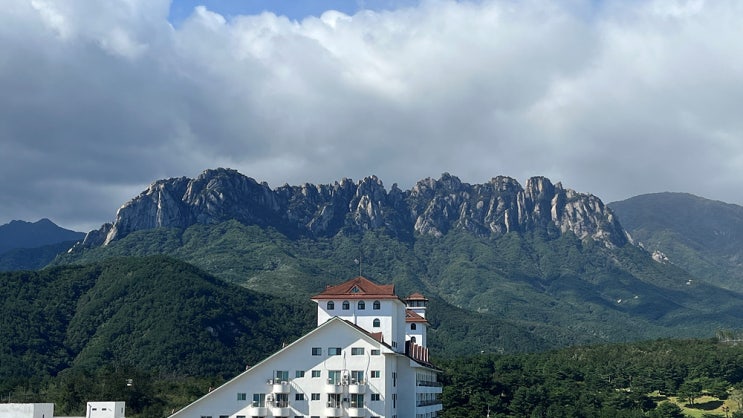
100, 409
27, 410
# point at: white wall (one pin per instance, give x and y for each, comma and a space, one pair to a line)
27, 410
105, 409
225, 401
391, 316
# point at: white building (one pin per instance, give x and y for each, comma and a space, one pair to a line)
26, 410
105, 410
362, 360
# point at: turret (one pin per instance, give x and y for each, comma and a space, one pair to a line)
416, 325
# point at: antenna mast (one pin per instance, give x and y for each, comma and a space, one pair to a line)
358, 261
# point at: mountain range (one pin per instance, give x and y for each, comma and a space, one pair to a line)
33, 245
521, 268
541, 257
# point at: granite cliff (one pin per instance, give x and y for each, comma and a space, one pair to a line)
430, 207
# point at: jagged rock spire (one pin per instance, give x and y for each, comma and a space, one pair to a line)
430, 207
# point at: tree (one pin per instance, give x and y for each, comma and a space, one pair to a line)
690, 390
666, 410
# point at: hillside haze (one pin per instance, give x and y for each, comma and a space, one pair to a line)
540, 258
33, 245
22, 234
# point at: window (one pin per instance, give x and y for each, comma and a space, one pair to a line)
240, 416
282, 400
394, 400
299, 396
316, 351
334, 351
357, 376
357, 351
334, 400
394, 379
375, 352
334, 377
362, 305
412, 326
412, 340
259, 399
282, 375
375, 396
357, 400
331, 305
375, 323
346, 306
242, 396
315, 396
376, 305
224, 416
316, 373
375, 374
299, 373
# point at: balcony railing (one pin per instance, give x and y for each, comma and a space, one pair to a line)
429, 383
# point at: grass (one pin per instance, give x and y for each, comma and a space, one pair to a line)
705, 405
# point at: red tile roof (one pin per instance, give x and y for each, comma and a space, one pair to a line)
358, 288
416, 296
411, 316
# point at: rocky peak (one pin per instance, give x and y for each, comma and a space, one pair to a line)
431, 207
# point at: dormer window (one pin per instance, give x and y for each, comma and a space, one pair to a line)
346, 305
362, 305
376, 305
331, 305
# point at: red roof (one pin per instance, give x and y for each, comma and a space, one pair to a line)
416, 296
411, 316
358, 288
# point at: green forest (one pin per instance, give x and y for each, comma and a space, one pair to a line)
158, 333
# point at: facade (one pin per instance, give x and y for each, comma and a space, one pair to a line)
360, 361
26, 410
105, 410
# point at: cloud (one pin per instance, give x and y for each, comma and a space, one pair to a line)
614, 98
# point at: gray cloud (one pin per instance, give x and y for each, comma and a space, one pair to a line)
611, 98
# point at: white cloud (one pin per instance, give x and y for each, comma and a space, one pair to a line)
614, 98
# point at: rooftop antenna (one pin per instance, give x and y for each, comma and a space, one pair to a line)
358, 261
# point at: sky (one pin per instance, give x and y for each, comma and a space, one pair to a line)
613, 98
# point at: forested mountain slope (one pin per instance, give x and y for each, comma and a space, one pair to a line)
157, 313
702, 236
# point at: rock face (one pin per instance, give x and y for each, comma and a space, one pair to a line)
431, 207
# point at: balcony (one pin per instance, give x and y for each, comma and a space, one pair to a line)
257, 411
279, 386
429, 383
279, 410
356, 412
357, 387
333, 409
331, 387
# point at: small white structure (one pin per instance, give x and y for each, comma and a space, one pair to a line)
105, 410
27, 410
366, 358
